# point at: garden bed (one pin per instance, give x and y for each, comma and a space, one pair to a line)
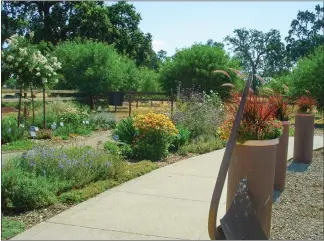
298, 213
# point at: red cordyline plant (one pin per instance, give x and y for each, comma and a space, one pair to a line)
281, 103
258, 120
306, 104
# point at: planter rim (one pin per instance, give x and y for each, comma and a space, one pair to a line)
285, 122
261, 142
305, 114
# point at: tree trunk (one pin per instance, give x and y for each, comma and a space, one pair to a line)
19, 108
33, 106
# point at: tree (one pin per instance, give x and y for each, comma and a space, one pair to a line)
193, 68
162, 55
308, 75
95, 67
263, 53
13, 19
57, 21
306, 33
213, 43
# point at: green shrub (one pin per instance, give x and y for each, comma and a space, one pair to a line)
44, 134
131, 171
203, 144
112, 148
64, 130
200, 113
82, 131
25, 191
20, 145
126, 151
182, 138
78, 165
125, 130
70, 118
155, 133
11, 228
103, 120
10, 131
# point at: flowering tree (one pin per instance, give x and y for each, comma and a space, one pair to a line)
28, 66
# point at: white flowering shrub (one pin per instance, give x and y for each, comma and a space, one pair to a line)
28, 65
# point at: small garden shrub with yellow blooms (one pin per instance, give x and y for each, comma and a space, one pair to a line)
154, 135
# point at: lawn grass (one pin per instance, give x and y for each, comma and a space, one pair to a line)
10, 228
20, 145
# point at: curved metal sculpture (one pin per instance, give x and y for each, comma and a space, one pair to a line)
231, 226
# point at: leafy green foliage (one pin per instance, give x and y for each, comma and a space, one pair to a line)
36, 179
25, 191
11, 228
201, 114
92, 189
20, 145
263, 53
193, 67
112, 147
308, 76
306, 33
103, 120
201, 145
125, 130
10, 131
54, 22
182, 138
94, 67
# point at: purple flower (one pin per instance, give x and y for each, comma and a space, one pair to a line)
32, 164
61, 165
116, 137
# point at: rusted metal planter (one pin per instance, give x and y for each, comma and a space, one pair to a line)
281, 160
304, 137
255, 160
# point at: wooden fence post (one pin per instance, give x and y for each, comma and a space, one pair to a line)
137, 101
130, 105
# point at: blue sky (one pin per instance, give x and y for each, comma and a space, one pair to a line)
180, 24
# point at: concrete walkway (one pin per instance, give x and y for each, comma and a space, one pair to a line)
168, 203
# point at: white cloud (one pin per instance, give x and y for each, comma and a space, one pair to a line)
158, 45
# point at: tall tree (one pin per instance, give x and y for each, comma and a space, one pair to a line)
57, 21
263, 53
306, 33
192, 68
162, 55
213, 43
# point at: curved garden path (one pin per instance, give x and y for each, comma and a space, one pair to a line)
169, 203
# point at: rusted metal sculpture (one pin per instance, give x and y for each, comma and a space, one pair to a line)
240, 221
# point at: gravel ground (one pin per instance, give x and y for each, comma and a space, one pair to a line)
298, 213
